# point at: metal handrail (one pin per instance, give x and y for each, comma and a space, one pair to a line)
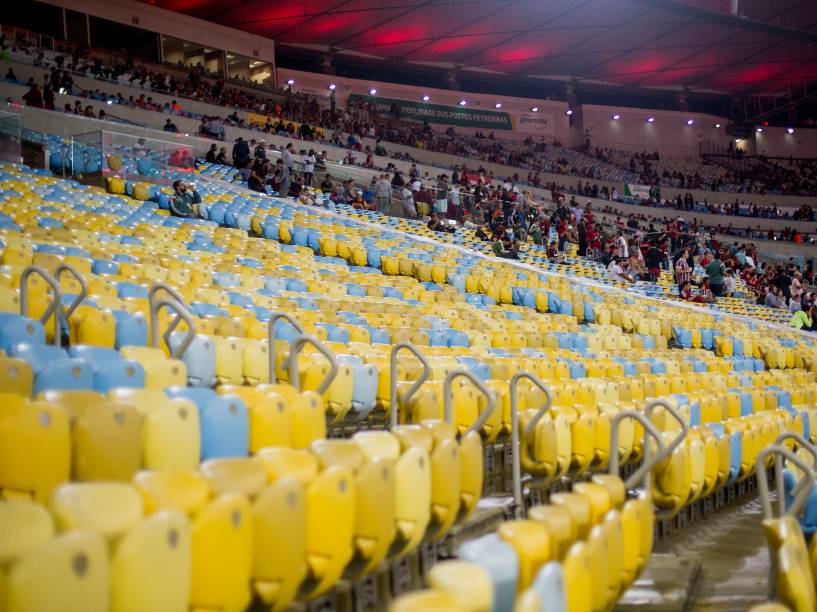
648, 464
274, 318
803, 490
181, 313
808, 446
155, 288
448, 411
296, 347
55, 302
393, 378
516, 465
64, 267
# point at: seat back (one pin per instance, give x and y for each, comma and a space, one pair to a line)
35, 447
75, 568
107, 442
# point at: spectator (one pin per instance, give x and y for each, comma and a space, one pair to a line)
729, 283
287, 155
653, 259
773, 299
382, 193
241, 153
284, 177
211, 153
803, 318
169, 126
34, 97
438, 225
184, 201
309, 167
221, 158
715, 270
258, 175
683, 272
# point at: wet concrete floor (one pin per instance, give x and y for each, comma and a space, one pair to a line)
720, 563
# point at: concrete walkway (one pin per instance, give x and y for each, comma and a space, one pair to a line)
720, 563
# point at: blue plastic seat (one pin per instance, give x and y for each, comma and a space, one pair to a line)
224, 424
499, 560
131, 329
549, 585
110, 370
364, 384
16, 329
53, 369
200, 359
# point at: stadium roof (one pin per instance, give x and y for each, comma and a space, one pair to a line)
696, 44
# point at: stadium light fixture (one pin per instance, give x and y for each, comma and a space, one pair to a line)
790, 130
498, 105
650, 119
426, 98
717, 126
332, 87
616, 117
690, 122
372, 92
463, 102
110, 102
569, 112
759, 130
291, 82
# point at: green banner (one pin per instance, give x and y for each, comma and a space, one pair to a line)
437, 113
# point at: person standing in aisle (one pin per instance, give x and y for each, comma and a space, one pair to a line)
309, 167
382, 194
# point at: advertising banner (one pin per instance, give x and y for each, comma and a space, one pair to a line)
438, 113
536, 123
637, 191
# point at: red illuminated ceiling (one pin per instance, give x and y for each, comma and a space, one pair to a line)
648, 43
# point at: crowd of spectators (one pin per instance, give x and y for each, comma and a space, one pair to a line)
729, 172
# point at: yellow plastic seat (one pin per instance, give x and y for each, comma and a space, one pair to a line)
269, 415
107, 442
446, 472
531, 541
545, 452
75, 569
150, 558
559, 524
466, 583
221, 532
330, 524
279, 525
307, 410
374, 505
160, 372
578, 575
579, 508
171, 438
229, 359
412, 475
16, 376
431, 600
795, 584
35, 448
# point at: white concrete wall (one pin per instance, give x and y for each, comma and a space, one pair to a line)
669, 134
777, 142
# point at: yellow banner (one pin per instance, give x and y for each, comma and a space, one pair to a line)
261, 121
